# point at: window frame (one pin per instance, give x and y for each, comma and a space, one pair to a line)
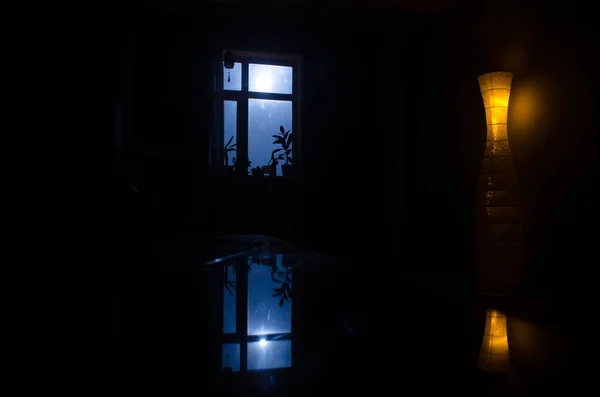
216, 156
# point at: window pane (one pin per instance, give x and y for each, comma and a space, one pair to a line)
232, 78
231, 356
269, 297
229, 301
264, 118
268, 355
270, 78
230, 128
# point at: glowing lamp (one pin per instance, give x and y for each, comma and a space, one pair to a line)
499, 228
495, 89
494, 355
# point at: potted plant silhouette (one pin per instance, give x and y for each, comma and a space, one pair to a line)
257, 172
285, 140
229, 148
284, 292
284, 277
229, 284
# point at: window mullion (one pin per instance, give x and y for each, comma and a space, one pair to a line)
217, 136
242, 310
265, 95
242, 122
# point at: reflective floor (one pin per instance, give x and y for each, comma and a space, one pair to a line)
274, 319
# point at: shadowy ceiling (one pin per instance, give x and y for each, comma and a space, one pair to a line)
412, 4
315, 5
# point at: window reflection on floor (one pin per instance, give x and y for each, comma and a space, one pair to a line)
269, 314
269, 355
231, 356
265, 314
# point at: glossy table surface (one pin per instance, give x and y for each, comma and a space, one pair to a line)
263, 317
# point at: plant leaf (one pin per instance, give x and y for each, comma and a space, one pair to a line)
281, 129
289, 139
281, 301
230, 139
277, 150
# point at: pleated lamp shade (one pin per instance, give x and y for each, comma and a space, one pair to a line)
498, 229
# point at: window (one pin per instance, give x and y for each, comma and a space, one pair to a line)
255, 100
257, 337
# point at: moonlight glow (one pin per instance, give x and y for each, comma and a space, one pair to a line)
264, 82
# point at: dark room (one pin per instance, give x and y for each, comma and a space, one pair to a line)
424, 170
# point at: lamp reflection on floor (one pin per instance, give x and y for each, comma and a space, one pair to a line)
494, 355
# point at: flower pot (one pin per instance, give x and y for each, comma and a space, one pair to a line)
257, 172
273, 170
268, 170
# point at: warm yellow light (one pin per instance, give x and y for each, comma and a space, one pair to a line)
494, 355
495, 90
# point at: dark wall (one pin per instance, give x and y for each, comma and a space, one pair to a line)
352, 106
393, 126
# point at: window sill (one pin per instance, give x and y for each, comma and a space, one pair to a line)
229, 174
223, 179
239, 179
